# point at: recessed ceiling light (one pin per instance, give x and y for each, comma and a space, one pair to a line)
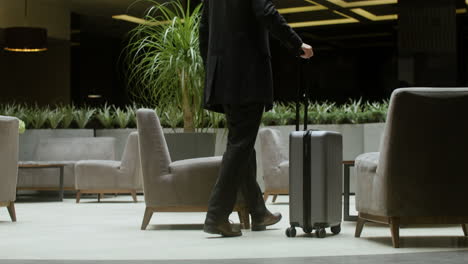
373, 17
364, 3
346, 20
138, 20
301, 9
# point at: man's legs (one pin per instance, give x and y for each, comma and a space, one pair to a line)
239, 172
261, 217
243, 122
251, 191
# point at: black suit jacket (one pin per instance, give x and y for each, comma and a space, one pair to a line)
234, 44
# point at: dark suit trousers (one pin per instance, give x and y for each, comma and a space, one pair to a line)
239, 166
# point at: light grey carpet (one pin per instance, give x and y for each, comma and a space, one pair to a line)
446, 257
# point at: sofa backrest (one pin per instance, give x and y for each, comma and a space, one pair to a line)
424, 151
74, 149
8, 158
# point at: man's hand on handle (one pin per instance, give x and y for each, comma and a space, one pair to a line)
308, 52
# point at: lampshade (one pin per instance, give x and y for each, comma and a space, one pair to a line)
26, 39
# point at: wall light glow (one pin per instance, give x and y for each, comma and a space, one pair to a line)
25, 50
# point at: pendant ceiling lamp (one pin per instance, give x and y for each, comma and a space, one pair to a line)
25, 39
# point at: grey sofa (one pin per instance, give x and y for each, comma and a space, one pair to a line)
9, 135
420, 175
110, 176
275, 164
180, 186
67, 151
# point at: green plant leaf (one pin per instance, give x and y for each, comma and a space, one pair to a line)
54, 117
105, 117
163, 62
121, 117
38, 117
68, 115
83, 115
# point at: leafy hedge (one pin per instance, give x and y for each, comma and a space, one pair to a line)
354, 112
69, 116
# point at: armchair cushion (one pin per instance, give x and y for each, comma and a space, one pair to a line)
110, 174
367, 162
369, 196
193, 179
99, 174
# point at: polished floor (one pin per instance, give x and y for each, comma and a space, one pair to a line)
446, 257
110, 231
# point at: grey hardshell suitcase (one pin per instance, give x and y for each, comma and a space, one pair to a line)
315, 176
315, 182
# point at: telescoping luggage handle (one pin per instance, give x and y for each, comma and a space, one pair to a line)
306, 180
303, 96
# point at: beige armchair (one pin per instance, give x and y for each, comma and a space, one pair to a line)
275, 164
110, 176
181, 186
9, 136
420, 175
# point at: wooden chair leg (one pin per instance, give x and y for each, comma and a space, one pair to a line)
244, 218
78, 196
274, 198
395, 229
359, 226
265, 196
146, 218
11, 211
465, 229
134, 196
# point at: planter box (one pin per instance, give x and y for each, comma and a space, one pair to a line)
181, 145
120, 136
353, 143
29, 140
355, 138
373, 136
27, 145
190, 145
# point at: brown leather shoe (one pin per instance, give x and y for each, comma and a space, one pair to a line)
225, 229
268, 220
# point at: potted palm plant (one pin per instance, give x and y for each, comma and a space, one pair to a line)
163, 63
164, 70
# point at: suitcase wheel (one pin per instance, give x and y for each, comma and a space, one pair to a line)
336, 229
291, 232
307, 230
320, 232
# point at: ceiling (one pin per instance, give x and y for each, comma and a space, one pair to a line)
300, 13
92, 7
108, 7
334, 22
311, 13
